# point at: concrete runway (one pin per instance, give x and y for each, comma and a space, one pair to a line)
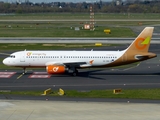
58, 110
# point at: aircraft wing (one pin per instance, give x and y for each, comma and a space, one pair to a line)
69, 64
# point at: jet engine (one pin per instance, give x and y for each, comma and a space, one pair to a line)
55, 69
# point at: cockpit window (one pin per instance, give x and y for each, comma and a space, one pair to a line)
12, 56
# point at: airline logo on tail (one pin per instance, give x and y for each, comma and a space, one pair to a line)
142, 43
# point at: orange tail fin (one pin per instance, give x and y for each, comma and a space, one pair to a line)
142, 42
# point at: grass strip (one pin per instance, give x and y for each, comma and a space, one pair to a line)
62, 31
127, 93
48, 46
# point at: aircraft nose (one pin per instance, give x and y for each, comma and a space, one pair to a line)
5, 61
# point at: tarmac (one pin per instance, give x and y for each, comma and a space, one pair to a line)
77, 110
41, 108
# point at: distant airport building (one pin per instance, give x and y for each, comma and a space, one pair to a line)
118, 2
87, 26
18, 1
26, 1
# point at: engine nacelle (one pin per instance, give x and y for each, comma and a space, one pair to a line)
55, 69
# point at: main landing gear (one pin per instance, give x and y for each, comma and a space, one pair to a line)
75, 72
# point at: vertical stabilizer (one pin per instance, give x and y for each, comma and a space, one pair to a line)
142, 42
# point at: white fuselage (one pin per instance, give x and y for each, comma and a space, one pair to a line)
44, 58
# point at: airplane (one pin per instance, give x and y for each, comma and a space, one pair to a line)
59, 62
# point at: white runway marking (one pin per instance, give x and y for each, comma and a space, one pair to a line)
39, 76
6, 74
40, 73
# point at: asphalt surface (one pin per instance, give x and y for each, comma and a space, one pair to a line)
144, 75
155, 40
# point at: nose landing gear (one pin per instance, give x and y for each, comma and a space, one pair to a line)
24, 70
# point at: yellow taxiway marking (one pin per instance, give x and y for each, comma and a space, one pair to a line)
21, 75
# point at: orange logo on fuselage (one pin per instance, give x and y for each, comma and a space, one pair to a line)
91, 62
55, 69
29, 53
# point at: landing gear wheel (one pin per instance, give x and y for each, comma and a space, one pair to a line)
75, 73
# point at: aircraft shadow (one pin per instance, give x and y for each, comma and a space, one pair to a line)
96, 74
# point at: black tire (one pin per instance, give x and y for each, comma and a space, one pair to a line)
74, 73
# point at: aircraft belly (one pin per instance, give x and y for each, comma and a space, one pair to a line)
36, 64
101, 62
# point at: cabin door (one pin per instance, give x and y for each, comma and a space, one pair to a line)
22, 57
